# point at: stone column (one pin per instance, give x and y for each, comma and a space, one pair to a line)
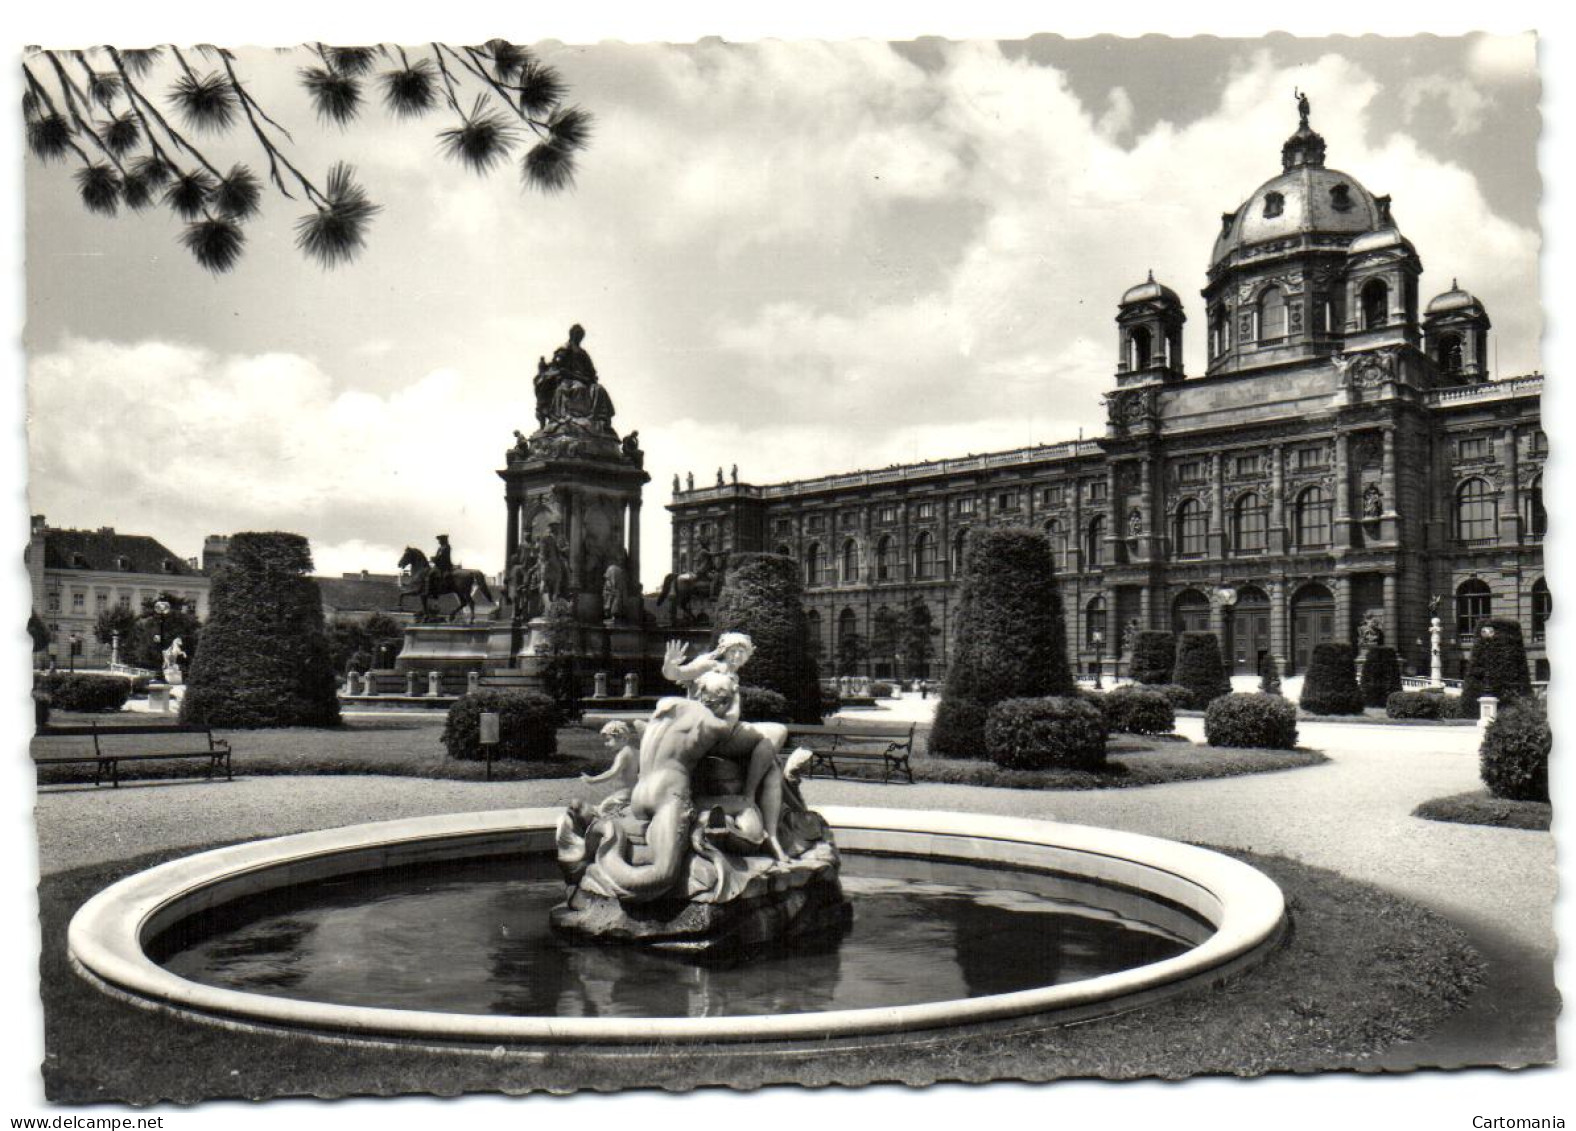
1389, 521
1280, 635
1392, 614
634, 546
1436, 660
1115, 524
572, 533
512, 534
1217, 507
1341, 536
1510, 532
1146, 607
1343, 610
1146, 507
1277, 539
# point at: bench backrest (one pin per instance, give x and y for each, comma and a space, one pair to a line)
93, 730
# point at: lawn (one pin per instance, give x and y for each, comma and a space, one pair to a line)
1479, 807
1358, 971
363, 745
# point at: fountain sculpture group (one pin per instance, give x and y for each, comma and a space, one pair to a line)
706, 846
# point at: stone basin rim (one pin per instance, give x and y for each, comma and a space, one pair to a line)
1247, 909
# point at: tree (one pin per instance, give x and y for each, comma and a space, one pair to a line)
851, 653
99, 108
886, 635
265, 658
1330, 685
1381, 675
115, 621
916, 643
1498, 667
762, 599
1011, 637
152, 632
1154, 655
1199, 669
354, 636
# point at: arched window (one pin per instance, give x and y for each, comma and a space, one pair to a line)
1534, 519
1192, 529
1376, 304
1249, 525
1094, 543
1313, 518
958, 544
1274, 205
1272, 315
1058, 538
1094, 621
884, 558
1219, 332
814, 564
1449, 354
1542, 608
1477, 512
1474, 605
925, 560
1139, 348
1190, 612
850, 560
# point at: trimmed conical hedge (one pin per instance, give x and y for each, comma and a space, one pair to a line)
1498, 667
265, 658
1011, 637
1200, 670
1330, 685
1154, 656
1514, 757
762, 598
1381, 676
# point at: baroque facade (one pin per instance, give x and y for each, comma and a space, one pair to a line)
1346, 456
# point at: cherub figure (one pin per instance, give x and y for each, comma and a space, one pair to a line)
623, 739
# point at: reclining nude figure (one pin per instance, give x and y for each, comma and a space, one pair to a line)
761, 744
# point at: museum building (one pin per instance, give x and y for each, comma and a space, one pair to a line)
1347, 453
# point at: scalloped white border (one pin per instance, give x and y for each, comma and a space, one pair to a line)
1245, 906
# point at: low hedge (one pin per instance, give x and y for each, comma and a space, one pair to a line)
879, 690
763, 705
527, 725
1414, 705
1138, 710
1040, 734
1258, 720
87, 692
1180, 698
1514, 757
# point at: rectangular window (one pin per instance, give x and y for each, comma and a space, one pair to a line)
1007, 501
1540, 443
1247, 465
925, 510
1097, 490
1474, 447
1052, 496
100, 601
125, 600
965, 506
1309, 458
1192, 471
78, 602
849, 519
887, 514
54, 602
817, 522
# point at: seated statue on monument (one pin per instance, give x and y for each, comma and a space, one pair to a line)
713, 847
570, 401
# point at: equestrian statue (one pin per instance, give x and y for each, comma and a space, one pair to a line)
434, 579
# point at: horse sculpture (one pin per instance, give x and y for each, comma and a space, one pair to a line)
683, 588
460, 582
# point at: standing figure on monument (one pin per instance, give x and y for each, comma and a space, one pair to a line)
553, 560
689, 480
615, 585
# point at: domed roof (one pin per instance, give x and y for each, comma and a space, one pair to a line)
1305, 198
1377, 241
1452, 300
1149, 291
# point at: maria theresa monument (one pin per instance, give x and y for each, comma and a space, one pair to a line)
1346, 459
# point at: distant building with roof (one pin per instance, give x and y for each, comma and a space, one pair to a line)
357, 596
77, 574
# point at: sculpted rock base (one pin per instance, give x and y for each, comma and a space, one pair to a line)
777, 904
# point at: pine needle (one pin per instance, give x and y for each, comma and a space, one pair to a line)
207, 102
482, 142
99, 186
122, 133
336, 234
336, 96
49, 136
216, 244
548, 168
410, 92
189, 192
540, 88
239, 193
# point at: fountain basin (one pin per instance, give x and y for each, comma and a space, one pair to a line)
1241, 908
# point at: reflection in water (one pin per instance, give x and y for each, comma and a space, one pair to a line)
473, 938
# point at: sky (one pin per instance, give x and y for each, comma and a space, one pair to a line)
800, 257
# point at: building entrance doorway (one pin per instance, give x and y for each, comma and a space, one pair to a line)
1312, 623
1248, 629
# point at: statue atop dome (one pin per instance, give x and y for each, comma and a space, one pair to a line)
1302, 108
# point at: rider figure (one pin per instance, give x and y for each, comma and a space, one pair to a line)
441, 572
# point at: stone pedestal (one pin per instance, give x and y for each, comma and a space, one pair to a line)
473, 682
159, 697
434, 683
599, 687
1436, 663
410, 683
631, 685
1488, 708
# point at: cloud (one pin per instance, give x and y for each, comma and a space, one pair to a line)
1504, 57
1464, 104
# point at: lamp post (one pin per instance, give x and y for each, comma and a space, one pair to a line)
162, 608
1098, 639
75, 649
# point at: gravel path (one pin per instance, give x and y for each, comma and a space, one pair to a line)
1351, 815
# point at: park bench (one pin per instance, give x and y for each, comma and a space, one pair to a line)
857, 743
105, 758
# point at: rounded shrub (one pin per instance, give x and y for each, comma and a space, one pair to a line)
1154, 656
762, 599
1413, 705
1139, 710
1199, 669
1259, 720
1498, 667
1066, 732
880, 690
1381, 676
527, 725
1011, 638
87, 692
763, 705
1330, 685
1180, 698
265, 658
1514, 757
